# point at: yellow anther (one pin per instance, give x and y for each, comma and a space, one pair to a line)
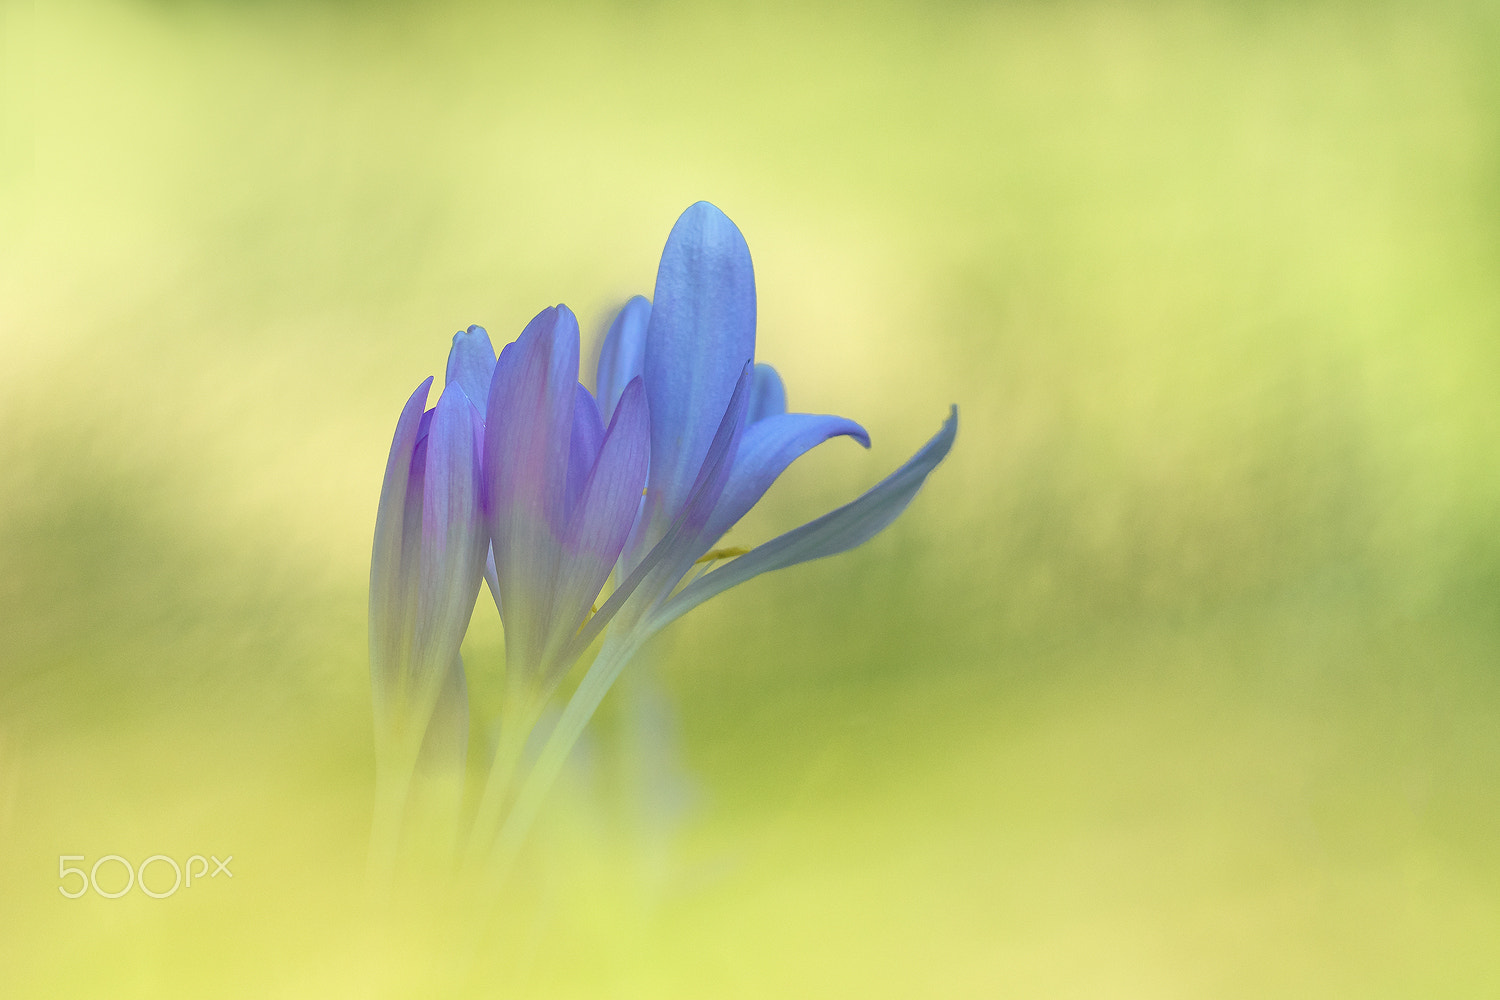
593, 610
713, 555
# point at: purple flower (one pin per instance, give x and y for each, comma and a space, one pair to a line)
425, 568
560, 493
719, 435
561, 490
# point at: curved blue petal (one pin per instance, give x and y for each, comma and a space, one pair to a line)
451, 558
528, 430
471, 363
767, 448
623, 354
767, 394
387, 589
601, 521
700, 337
583, 445
834, 532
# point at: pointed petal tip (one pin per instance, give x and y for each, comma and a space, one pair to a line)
418, 397
551, 320
635, 389
471, 364
703, 209
451, 393
705, 227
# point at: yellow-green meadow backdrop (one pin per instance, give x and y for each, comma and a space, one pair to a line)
1180, 679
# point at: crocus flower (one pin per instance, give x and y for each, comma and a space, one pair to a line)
561, 492
719, 436
428, 558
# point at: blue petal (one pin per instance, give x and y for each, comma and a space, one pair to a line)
834, 532
528, 429
767, 394
766, 449
623, 355
601, 521
386, 586
451, 560
471, 363
583, 445
700, 337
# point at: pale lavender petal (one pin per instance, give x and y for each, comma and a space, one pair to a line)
623, 355
411, 535
766, 449
700, 337
528, 429
767, 394
386, 586
451, 560
583, 447
601, 522
471, 363
834, 532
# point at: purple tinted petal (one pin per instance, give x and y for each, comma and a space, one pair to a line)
602, 520
767, 394
528, 430
411, 531
387, 609
583, 445
471, 363
700, 336
834, 532
655, 575
623, 354
766, 449
451, 560
489, 550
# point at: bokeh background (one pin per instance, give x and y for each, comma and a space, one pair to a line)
1178, 680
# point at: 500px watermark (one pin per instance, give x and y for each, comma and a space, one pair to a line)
136, 875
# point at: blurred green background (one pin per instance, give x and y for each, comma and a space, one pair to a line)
1178, 680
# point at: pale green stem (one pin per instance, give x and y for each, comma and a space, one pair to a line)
518, 715
616, 652
392, 788
395, 768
